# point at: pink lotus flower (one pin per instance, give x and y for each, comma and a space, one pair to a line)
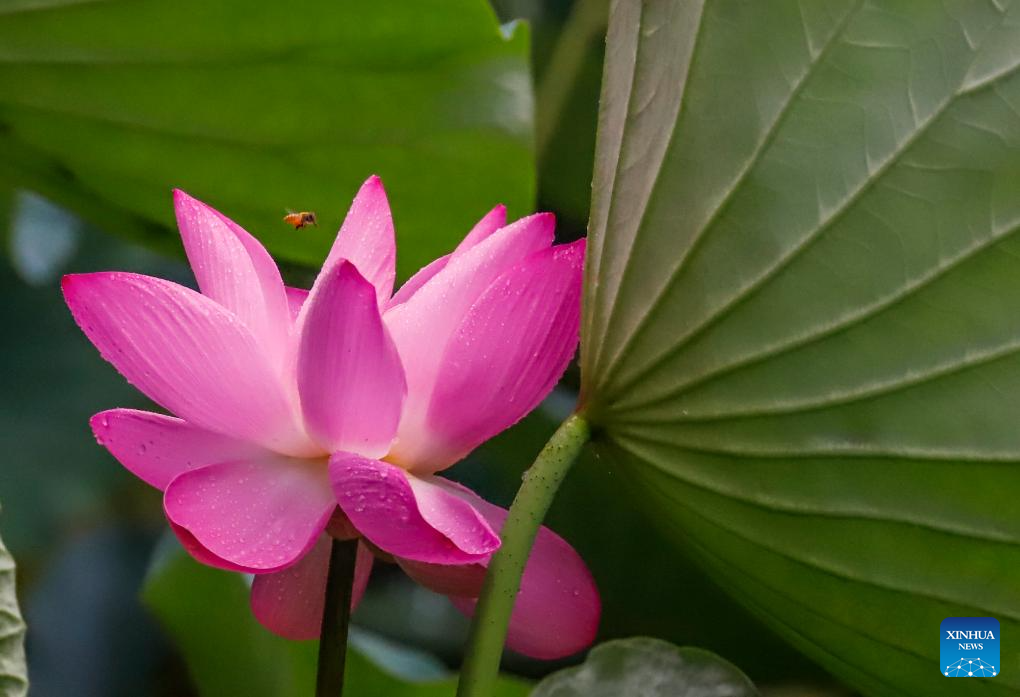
290, 403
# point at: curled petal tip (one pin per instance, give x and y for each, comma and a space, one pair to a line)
71, 283
545, 217
100, 420
346, 270
182, 198
373, 183
544, 222
372, 188
185, 204
498, 213
99, 423
579, 244
574, 250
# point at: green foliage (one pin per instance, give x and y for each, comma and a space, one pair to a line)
13, 673
207, 614
55, 472
260, 107
801, 319
644, 667
567, 95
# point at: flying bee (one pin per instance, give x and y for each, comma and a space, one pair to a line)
300, 220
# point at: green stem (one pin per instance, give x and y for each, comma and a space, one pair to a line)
503, 580
336, 616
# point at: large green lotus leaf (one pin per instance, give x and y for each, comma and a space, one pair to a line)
258, 107
802, 316
13, 673
228, 652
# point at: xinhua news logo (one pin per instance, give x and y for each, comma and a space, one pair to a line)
970, 647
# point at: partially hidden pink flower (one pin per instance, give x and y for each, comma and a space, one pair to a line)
300, 414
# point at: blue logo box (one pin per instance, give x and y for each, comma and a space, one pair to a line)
970, 647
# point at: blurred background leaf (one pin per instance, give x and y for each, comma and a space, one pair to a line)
88, 636
13, 671
262, 107
53, 382
801, 321
568, 38
74, 518
646, 667
228, 652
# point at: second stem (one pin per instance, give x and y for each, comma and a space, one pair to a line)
503, 580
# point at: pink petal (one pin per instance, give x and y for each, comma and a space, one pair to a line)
295, 299
407, 516
366, 239
493, 220
290, 603
462, 580
349, 374
203, 555
557, 610
416, 281
258, 514
236, 271
508, 353
490, 222
157, 448
422, 326
187, 353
